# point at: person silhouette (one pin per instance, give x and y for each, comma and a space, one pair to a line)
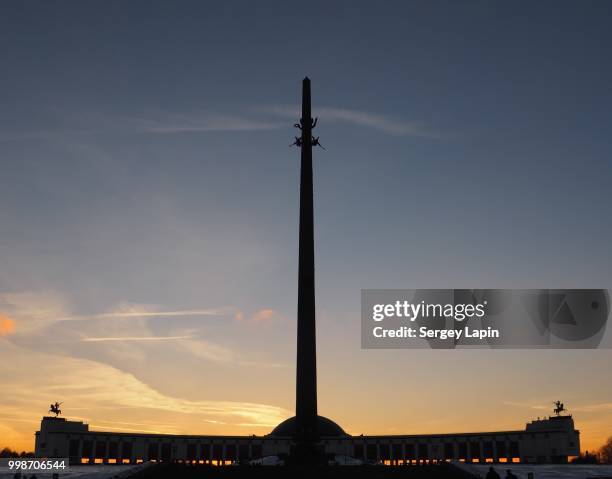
492, 474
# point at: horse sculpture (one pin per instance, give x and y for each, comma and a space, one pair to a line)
55, 408
559, 408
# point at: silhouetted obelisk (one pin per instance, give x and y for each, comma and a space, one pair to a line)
306, 377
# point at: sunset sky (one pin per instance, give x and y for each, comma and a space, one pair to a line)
149, 201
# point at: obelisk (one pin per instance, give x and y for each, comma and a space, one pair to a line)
306, 373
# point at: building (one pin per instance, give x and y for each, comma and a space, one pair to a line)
550, 440
308, 438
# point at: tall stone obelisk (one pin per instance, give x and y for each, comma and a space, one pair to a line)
306, 374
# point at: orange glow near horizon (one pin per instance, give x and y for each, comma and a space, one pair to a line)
7, 325
144, 386
19, 436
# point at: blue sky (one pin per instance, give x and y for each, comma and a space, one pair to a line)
146, 169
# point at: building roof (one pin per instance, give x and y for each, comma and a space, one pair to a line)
327, 428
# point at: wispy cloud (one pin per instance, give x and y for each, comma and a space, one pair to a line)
264, 315
383, 123
211, 421
31, 310
203, 122
103, 427
36, 310
150, 314
576, 406
210, 351
131, 338
214, 352
529, 405
261, 316
595, 408
34, 305
70, 124
259, 364
92, 387
82, 124
111, 357
127, 337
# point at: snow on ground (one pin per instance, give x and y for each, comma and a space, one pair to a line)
544, 471
85, 471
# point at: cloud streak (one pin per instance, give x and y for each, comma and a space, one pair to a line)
207, 122
87, 124
376, 121
264, 315
171, 123
143, 338
529, 405
594, 408
150, 314
126, 337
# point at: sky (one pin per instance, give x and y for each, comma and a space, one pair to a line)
149, 207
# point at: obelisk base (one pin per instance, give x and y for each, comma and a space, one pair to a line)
307, 455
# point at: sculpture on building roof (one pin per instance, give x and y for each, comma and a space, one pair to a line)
559, 408
55, 408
